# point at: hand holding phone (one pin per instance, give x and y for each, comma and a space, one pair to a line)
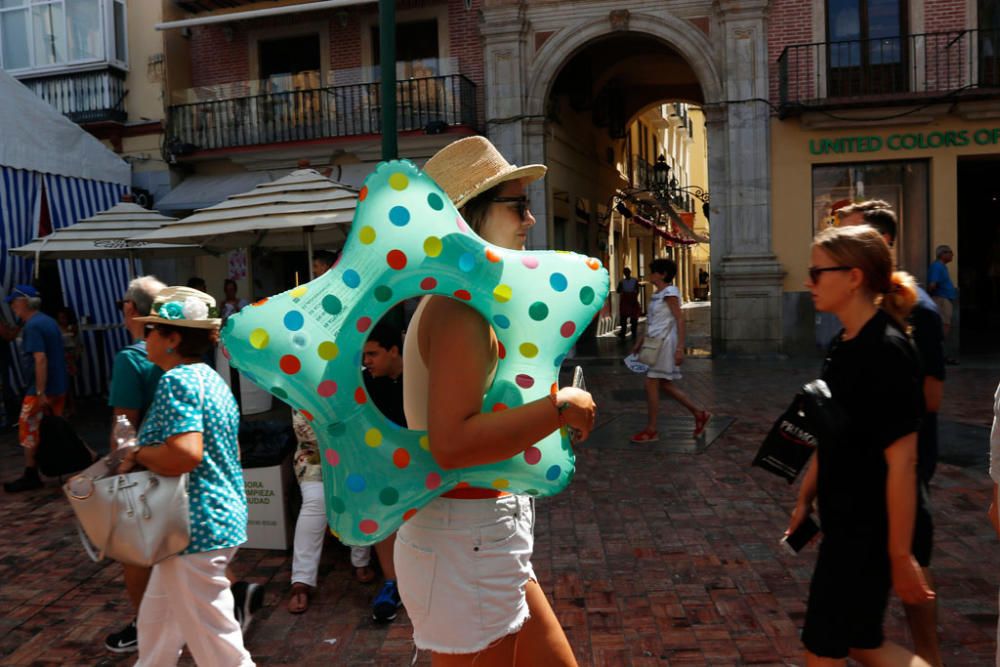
801, 536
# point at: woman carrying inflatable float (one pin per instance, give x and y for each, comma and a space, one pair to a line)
495, 320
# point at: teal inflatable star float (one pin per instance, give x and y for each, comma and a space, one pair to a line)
407, 240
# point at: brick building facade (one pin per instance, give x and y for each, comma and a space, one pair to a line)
901, 102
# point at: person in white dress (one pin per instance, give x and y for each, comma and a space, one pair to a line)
664, 322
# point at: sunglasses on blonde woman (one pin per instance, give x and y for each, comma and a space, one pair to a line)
816, 271
520, 204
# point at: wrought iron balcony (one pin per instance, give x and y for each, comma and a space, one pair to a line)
890, 70
428, 104
84, 97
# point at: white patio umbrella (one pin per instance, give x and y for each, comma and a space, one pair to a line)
300, 208
107, 235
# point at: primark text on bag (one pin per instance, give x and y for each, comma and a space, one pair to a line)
811, 418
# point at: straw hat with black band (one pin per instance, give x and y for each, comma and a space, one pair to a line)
471, 166
183, 307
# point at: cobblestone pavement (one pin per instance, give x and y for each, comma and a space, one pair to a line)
657, 554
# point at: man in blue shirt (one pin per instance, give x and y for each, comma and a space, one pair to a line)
940, 287
44, 366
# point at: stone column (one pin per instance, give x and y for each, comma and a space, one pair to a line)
746, 276
504, 28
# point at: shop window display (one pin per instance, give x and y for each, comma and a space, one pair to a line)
903, 185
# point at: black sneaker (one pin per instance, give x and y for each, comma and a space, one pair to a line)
386, 603
247, 600
29, 481
125, 640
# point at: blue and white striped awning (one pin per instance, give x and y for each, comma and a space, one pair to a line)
89, 287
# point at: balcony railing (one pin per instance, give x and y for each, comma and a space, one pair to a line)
891, 69
84, 97
429, 104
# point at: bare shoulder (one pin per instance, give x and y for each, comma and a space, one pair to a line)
443, 312
451, 324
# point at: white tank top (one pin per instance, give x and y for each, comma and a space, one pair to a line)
415, 375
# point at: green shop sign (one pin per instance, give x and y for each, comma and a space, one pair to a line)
905, 141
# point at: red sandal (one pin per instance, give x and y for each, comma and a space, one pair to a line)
700, 422
646, 435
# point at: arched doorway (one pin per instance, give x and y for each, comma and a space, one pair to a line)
624, 113
661, 58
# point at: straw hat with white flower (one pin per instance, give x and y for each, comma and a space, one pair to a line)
471, 166
183, 307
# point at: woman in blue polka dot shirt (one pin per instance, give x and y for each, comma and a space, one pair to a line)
192, 428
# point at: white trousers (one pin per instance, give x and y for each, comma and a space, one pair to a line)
188, 602
310, 529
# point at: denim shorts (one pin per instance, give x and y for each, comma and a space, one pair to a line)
462, 566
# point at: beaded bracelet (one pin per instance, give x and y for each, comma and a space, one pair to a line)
559, 409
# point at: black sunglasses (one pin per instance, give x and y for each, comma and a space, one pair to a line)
815, 271
120, 303
520, 202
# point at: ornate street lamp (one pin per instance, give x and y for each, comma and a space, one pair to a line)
661, 173
667, 187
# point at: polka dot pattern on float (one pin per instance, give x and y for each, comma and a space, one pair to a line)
294, 320
407, 240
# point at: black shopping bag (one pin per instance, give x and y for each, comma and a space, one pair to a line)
812, 417
61, 451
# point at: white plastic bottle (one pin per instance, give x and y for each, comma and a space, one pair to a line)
124, 432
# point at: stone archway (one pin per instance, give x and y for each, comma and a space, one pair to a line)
679, 34
731, 69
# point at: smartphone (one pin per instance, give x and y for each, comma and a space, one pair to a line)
578, 382
802, 535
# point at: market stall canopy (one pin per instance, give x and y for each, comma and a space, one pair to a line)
203, 190
105, 236
279, 214
36, 137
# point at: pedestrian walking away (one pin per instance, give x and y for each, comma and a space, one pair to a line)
628, 303
489, 609
43, 366
864, 476
665, 324
192, 428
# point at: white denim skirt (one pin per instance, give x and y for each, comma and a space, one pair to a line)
462, 567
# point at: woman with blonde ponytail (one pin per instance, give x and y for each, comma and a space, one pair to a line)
865, 480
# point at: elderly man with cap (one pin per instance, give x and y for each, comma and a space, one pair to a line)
44, 367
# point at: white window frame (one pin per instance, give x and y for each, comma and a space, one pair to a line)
106, 7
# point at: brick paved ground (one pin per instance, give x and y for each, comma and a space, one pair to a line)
654, 556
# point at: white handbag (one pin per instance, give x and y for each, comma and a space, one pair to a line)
139, 518
650, 350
